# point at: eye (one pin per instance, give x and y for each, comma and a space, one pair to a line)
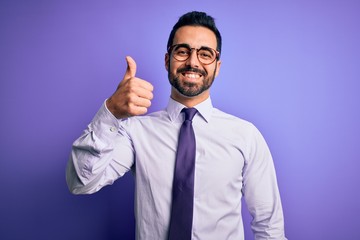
205, 54
182, 51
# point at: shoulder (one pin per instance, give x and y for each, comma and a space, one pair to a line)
240, 130
225, 118
234, 125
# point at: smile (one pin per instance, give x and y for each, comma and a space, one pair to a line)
191, 75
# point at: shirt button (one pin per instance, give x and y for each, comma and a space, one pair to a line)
112, 129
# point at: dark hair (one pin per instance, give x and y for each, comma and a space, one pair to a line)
196, 19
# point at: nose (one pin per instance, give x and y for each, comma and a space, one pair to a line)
193, 60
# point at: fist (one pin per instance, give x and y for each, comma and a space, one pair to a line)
133, 95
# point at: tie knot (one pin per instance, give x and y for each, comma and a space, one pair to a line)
189, 113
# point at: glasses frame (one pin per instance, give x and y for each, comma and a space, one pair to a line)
171, 48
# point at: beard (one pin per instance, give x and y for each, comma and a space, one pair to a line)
191, 89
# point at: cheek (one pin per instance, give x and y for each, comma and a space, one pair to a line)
213, 71
173, 67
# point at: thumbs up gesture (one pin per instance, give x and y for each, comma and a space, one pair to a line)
133, 95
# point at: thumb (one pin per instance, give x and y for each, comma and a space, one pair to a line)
131, 68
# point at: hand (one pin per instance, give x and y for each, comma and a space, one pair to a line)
133, 95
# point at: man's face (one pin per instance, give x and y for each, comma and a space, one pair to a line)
191, 78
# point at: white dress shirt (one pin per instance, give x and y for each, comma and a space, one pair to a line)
232, 161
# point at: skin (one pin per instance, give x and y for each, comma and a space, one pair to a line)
196, 37
133, 95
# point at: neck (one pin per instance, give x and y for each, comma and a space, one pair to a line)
189, 101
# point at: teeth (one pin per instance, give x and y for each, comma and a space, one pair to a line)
192, 75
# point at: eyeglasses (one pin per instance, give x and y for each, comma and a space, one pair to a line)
182, 52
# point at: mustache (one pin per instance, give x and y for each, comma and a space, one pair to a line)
190, 69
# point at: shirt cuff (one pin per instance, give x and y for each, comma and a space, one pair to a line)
104, 123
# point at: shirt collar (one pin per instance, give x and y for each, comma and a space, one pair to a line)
204, 109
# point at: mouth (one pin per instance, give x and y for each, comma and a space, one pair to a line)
192, 75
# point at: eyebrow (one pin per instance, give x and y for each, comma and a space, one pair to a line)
188, 46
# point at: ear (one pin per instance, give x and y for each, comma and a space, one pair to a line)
167, 59
218, 64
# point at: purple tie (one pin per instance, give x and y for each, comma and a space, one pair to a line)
183, 184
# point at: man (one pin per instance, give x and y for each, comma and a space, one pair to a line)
229, 157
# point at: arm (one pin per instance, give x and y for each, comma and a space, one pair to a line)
100, 155
104, 151
261, 191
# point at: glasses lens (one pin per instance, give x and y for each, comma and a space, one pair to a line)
181, 53
204, 54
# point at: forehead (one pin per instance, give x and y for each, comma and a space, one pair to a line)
195, 36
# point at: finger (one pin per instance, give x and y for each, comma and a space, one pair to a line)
144, 93
142, 102
146, 85
139, 83
131, 68
134, 99
135, 110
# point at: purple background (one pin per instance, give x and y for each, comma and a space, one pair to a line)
290, 67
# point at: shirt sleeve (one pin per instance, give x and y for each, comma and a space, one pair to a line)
102, 154
261, 191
